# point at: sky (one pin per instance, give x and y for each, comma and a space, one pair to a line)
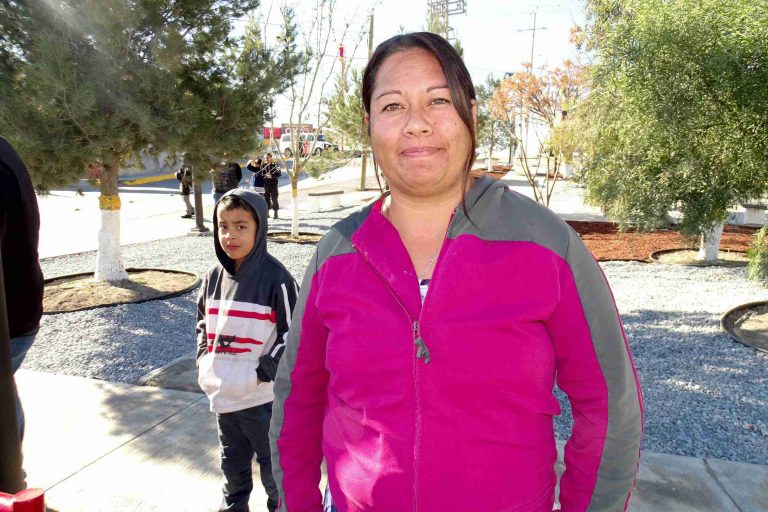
495, 34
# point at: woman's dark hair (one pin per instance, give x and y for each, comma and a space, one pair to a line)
456, 74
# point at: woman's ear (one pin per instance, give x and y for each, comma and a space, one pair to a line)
474, 112
367, 120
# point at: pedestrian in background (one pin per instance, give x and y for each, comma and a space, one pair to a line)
257, 178
184, 175
19, 234
226, 178
271, 172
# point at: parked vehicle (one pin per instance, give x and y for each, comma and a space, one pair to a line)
284, 145
310, 143
317, 143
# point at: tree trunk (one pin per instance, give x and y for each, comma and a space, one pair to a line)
197, 189
363, 170
295, 206
109, 264
710, 242
493, 140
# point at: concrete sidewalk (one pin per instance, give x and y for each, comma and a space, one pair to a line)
103, 446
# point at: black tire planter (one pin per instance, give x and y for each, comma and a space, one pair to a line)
168, 295
731, 317
271, 237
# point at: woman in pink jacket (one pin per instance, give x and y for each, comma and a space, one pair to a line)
433, 325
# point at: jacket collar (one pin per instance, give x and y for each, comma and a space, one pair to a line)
379, 244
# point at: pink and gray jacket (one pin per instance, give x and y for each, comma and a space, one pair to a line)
449, 406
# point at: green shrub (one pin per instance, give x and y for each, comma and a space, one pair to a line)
757, 268
326, 161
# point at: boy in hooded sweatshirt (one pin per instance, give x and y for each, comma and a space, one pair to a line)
243, 312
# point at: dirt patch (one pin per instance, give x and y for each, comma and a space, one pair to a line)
748, 324
77, 292
687, 257
285, 237
606, 243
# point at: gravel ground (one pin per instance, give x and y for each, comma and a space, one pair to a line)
705, 395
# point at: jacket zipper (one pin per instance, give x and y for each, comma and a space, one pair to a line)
422, 352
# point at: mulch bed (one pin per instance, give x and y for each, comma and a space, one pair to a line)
606, 243
76, 292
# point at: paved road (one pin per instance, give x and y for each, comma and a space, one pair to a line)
70, 218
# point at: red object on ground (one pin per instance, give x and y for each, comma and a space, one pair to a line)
28, 500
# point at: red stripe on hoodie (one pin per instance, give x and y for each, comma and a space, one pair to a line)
272, 316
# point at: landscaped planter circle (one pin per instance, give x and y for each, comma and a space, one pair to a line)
284, 237
733, 258
748, 324
80, 289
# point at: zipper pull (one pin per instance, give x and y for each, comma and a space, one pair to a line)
422, 352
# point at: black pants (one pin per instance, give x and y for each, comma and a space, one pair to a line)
241, 435
270, 194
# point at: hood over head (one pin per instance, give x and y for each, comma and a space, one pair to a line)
259, 250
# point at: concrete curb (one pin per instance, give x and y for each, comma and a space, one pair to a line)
141, 180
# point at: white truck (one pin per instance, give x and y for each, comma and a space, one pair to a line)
310, 143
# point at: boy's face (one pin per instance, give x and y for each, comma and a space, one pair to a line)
237, 233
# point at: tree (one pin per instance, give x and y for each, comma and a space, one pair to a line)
678, 116
345, 110
490, 132
82, 89
541, 99
224, 86
305, 92
90, 83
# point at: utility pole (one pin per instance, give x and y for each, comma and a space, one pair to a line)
442, 10
533, 43
364, 165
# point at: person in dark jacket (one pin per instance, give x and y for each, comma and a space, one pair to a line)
226, 179
257, 178
19, 234
184, 175
271, 172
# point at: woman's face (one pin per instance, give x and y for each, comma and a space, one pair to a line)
418, 138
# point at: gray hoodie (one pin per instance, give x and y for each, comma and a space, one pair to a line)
242, 317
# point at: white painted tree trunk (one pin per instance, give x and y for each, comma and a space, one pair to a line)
295, 210
109, 263
710, 242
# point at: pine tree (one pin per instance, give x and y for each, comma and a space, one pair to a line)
345, 110
224, 87
93, 83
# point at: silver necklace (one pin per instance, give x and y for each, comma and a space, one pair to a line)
432, 260
429, 265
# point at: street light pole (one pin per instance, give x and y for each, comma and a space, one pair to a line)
364, 164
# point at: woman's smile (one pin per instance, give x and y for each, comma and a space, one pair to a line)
420, 151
